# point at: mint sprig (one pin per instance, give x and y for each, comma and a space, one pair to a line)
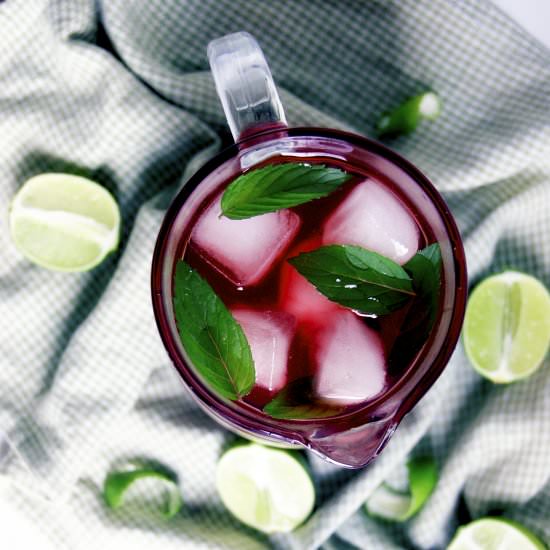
425, 269
214, 341
296, 401
279, 186
356, 278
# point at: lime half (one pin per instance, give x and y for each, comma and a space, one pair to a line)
267, 489
64, 222
495, 534
507, 326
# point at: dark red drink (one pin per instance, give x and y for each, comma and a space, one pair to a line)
297, 321
363, 371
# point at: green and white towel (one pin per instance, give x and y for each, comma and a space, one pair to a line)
121, 92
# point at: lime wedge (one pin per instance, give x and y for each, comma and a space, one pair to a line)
507, 326
265, 488
495, 534
64, 222
153, 476
393, 505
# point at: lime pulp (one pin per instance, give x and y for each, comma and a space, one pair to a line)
395, 505
64, 222
507, 326
495, 534
265, 488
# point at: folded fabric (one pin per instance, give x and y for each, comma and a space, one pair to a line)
121, 92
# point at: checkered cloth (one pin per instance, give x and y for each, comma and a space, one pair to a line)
121, 92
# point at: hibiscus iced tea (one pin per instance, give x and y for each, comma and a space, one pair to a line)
309, 284
294, 331
328, 372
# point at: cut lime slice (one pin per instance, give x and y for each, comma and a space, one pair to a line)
156, 481
393, 505
64, 222
507, 326
495, 534
265, 488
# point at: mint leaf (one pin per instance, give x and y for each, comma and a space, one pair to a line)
278, 186
425, 270
356, 278
214, 341
433, 253
296, 401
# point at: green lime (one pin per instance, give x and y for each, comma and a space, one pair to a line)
404, 118
507, 326
495, 534
122, 480
64, 222
265, 488
394, 505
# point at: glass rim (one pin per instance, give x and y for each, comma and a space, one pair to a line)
246, 414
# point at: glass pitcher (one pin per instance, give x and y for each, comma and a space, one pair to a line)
256, 118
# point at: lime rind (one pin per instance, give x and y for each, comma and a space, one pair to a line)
388, 504
495, 533
120, 481
392, 505
64, 223
507, 326
406, 117
430, 105
265, 488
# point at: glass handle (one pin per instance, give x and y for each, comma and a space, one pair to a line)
244, 85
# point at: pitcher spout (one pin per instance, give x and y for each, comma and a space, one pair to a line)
353, 448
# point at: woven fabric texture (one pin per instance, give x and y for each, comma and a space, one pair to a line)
121, 92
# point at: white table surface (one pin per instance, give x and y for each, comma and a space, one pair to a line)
532, 15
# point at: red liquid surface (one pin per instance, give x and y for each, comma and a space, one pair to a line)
271, 293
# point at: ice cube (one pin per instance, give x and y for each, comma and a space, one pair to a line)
244, 250
300, 297
349, 359
269, 334
371, 216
